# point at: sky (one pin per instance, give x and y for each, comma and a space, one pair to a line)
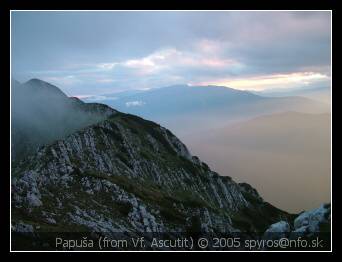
92, 53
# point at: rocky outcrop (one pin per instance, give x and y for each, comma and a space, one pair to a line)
247, 188
128, 174
312, 221
278, 230
307, 223
106, 172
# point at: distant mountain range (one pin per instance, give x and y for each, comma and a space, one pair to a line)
278, 127
140, 172
322, 94
184, 108
113, 172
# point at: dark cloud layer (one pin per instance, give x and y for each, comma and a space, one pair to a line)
101, 52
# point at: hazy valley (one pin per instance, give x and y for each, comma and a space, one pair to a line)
279, 142
286, 156
105, 171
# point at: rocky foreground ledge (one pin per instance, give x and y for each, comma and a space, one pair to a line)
307, 223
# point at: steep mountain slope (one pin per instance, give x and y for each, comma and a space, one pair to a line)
129, 174
42, 113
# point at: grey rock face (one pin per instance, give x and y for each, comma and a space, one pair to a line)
305, 224
281, 226
310, 221
278, 230
22, 227
104, 171
128, 174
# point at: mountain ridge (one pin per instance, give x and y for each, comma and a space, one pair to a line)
83, 154
41, 113
130, 175
139, 145
189, 109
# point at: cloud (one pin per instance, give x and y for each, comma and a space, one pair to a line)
171, 58
134, 103
106, 52
90, 98
273, 81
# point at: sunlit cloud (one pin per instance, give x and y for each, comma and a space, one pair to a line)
109, 53
209, 46
271, 81
171, 58
155, 62
134, 103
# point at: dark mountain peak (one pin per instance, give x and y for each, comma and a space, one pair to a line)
35, 81
42, 113
208, 87
39, 86
199, 87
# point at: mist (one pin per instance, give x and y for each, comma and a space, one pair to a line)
186, 124
286, 157
192, 109
279, 145
41, 114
